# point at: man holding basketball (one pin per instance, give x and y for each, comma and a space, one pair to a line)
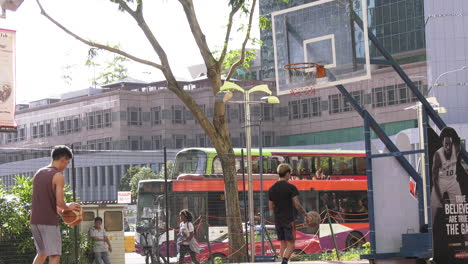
47, 202
283, 197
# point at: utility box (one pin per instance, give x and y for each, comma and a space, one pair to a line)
112, 221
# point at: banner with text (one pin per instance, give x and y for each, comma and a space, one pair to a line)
449, 204
124, 197
7, 80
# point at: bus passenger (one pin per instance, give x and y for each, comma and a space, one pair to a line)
283, 197
186, 240
319, 175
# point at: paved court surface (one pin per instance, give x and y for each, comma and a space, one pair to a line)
134, 258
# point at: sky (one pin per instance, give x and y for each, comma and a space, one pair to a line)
45, 53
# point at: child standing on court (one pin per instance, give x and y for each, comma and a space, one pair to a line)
186, 240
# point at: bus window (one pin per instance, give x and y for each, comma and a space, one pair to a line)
217, 167
305, 167
360, 165
113, 221
345, 207
190, 161
324, 164
255, 163
342, 166
294, 162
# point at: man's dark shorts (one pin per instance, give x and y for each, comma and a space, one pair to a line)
286, 231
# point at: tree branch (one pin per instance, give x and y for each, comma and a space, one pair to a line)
244, 44
228, 32
97, 45
198, 34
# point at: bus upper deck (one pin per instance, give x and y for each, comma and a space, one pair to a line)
335, 164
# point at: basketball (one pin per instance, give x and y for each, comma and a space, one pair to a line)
72, 217
315, 219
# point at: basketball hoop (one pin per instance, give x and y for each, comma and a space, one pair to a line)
307, 74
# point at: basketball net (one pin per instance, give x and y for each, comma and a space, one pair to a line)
305, 73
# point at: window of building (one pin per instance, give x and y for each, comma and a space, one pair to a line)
315, 106
336, 105
156, 115
69, 125
268, 139
241, 113
156, 142
395, 94
305, 108
107, 118
135, 142
34, 130
293, 110
179, 141
134, 116
98, 118
201, 141
48, 128
113, 221
22, 133
178, 114
357, 96
88, 216
378, 97
91, 144
90, 117
403, 93
268, 112
41, 131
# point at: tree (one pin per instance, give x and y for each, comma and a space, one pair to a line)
127, 178
113, 70
142, 174
170, 170
216, 129
16, 244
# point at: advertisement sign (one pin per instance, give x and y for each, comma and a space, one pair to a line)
124, 197
7, 80
449, 203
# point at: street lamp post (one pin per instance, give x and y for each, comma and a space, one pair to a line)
224, 95
436, 84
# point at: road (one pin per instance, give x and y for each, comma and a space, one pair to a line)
134, 258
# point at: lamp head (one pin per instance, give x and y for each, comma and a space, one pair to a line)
11, 5
270, 99
223, 96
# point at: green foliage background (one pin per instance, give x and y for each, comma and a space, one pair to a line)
129, 182
15, 231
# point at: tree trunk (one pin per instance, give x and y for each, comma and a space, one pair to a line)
234, 219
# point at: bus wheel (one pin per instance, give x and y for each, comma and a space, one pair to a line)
355, 240
219, 255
